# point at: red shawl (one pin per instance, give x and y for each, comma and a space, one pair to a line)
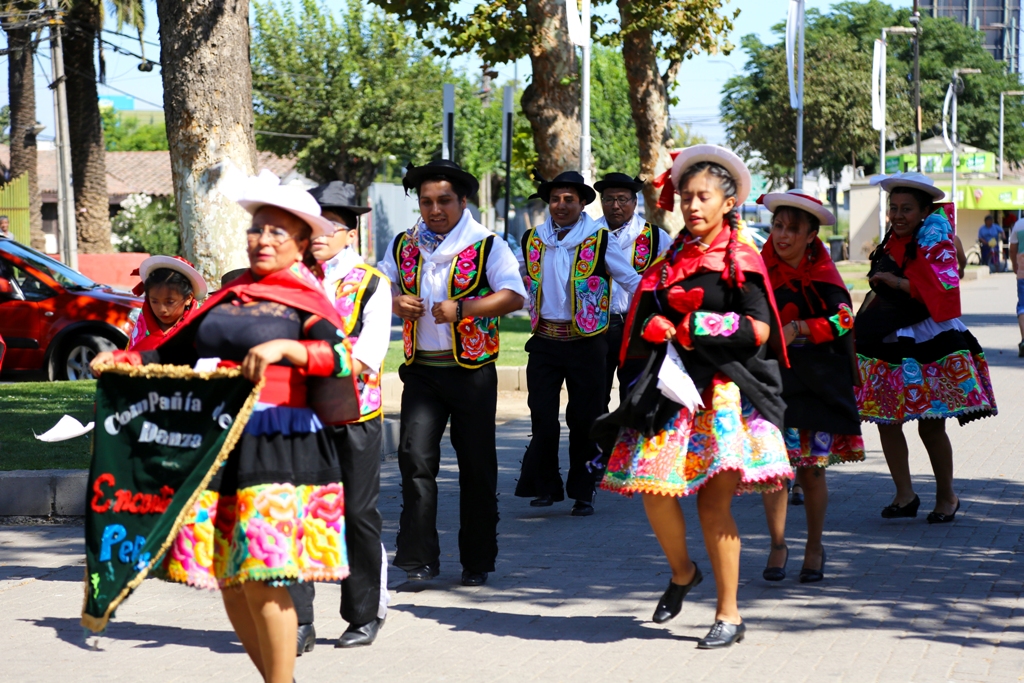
147, 334
687, 258
932, 274
295, 287
816, 268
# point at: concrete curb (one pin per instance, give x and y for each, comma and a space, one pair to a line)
47, 493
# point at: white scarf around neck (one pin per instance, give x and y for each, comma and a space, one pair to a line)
337, 267
466, 232
626, 233
564, 250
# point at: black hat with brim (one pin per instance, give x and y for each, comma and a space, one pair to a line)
619, 180
442, 169
338, 195
567, 179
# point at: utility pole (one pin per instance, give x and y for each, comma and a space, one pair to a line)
953, 141
880, 57
448, 123
585, 169
506, 147
915, 21
1002, 118
799, 171
65, 194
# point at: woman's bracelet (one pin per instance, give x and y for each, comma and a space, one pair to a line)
458, 309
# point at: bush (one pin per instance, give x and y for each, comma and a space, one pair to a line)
147, 224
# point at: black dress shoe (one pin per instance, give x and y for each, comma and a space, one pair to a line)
582, 508
424, 573
895, 511
722, 634
672, 600
542, 502
776, 573
355, 636
940, 518
473, 578
306, 639
796, 496
813, 575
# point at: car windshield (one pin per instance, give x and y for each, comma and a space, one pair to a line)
64, 276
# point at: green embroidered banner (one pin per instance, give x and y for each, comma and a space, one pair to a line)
161, 433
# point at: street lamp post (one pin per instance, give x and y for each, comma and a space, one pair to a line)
1002, 109
915, 19
895, 30
952, 144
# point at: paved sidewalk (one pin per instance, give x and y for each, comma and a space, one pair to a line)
572, 598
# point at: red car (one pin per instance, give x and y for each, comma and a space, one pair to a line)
53, 319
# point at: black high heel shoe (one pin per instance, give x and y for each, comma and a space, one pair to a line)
671, 602
813, 575
776, 573
796, 496
940, 518
895, 511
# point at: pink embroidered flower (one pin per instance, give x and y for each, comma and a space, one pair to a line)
469, 253
467, 266
587, 254
327, 503
266, 543
593, 283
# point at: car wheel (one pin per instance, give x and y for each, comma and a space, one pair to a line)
77, 353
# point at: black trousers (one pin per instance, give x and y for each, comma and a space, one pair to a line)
581, 364
628, 371
358, 447
469, 398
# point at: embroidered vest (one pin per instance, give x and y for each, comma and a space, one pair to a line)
351, 294
474, 340
645, 248
590, 286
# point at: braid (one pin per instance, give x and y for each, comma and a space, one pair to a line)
880, 249
731, 220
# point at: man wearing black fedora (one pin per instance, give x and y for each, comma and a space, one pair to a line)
641, 243
362, 297
568, 268
453, 279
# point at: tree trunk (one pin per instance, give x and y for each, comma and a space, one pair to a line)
204, 50
88, 152
552, 100
648, 100
24, 155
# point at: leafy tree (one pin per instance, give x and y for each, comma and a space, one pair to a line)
611, 123
128, 135
359, 87
148, 225
837, 90
5, 124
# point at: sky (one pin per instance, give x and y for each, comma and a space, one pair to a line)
699, 84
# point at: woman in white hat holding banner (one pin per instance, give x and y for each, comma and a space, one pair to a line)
708, 303
917, 360
822, 423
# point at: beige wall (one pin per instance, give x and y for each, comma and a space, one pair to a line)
863, 220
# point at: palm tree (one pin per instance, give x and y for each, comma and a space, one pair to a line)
84, 21
22, 98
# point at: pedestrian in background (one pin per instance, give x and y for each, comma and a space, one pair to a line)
991, 236
1017, 263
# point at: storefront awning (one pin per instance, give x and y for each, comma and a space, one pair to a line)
1004, 196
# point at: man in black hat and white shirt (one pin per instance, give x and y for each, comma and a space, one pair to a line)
362, 297
569, 262
453, 279
641, 243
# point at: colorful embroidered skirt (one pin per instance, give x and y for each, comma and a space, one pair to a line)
247, 526
938, 377
820, 449
692, 448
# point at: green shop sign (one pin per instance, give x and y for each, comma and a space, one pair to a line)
987, 197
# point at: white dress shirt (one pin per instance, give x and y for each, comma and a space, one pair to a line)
501, 269
375, 335
625, 236
555, 302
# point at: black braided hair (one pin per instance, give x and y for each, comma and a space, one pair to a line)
170, 278
727, 184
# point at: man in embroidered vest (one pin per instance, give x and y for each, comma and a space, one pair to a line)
641, 243
568, 269
453, 280
362, 297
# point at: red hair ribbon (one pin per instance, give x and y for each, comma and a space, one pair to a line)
667, 198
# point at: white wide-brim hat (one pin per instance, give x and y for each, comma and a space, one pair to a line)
798, 199
719, 155
179, 265
912, 179
266, 190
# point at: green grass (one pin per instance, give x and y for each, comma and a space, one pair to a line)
36, 406
514, 333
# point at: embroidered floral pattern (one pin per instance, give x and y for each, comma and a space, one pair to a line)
346, 297
842, 321
466, 269
478, 336
642, 252
534, 275
409, 265
591, 299
820, 449
707, 324
269, 532
953, 386
691, 448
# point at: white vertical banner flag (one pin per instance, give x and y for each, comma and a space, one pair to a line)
794, 24
877, 74
577, 34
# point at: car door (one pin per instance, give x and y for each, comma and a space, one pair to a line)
26, 313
